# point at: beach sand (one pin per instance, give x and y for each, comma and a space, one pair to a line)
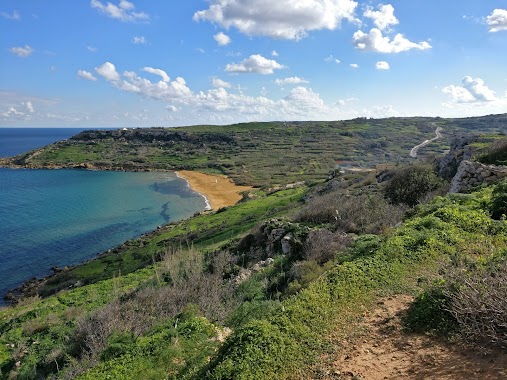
219, 190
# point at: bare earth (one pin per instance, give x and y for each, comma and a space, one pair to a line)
219, 190
384, 351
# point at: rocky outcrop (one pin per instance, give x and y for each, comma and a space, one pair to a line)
460, 150
472, 174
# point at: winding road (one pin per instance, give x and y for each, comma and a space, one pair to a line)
438, 132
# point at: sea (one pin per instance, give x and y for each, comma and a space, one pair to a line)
63, 217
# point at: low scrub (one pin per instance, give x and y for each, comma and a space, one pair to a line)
361, 214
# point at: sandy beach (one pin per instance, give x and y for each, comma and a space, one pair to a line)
219, 190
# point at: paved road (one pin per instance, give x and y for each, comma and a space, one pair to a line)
413, 152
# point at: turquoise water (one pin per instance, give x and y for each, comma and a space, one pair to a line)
62, 217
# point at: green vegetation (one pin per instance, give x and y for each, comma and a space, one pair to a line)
253, 290
259, 154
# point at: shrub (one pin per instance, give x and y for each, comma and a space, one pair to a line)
499, 201
497, 153
411, 185
369, 214
478, 301
323, 245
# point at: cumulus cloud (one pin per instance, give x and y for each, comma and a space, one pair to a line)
274, 53
383, 18
124, 11
332, 59
382, 65
29, 107
497, 21
22, 51
217, 83
86, 75
222, 39
256, 64
108, 71
220, 105
139, 40
305, 99
290, 80
284, 19
11, 16
472, 90
376, 42
159, 72
354, 65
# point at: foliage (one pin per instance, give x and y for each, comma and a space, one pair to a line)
260, 154
362, 214
435, 231
410, 185
499, 201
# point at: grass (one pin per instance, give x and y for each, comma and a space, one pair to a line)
259, 154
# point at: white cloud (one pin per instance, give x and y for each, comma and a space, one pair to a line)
497, 21
345, 102
222, 39
124, 11
17, 114
375, 41
91, 49
171, 108
29, 106
11, 16
139, 40
285, 19
159, 72
256, 64
305, 100
108, 71
220, 105
22, 51
218, 83
382, 65
472, 90
274, 53
290, 80
354, 65
332, 59
86, 75
383, 18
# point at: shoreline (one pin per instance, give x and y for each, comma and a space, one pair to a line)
217, 190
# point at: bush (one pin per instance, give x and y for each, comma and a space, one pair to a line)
323, 245
411, 185
499, 201
478, 301
360, 214
497, 153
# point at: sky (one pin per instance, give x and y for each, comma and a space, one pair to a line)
142, 63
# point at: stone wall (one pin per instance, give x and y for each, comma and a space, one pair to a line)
472, 174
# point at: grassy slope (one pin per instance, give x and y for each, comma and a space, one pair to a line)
278, 346
274, 346
263, 154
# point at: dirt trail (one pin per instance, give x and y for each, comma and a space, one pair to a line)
384, 351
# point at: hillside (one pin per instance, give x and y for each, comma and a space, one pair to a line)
284, 284
259, 154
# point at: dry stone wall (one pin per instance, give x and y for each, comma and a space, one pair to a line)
471, 174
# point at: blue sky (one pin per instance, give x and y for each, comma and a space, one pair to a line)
94, 63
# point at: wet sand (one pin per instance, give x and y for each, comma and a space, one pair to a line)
219, 190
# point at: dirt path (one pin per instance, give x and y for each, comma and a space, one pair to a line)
384, 351
415, 149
